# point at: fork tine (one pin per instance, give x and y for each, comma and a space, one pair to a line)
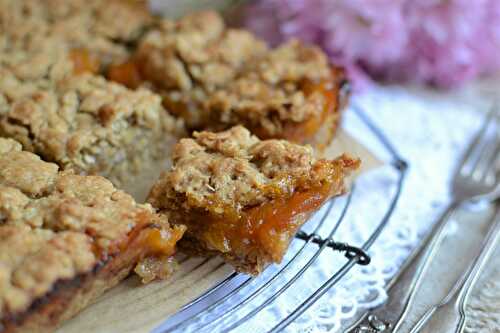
486, 160
494, 173
486, 170
473, 152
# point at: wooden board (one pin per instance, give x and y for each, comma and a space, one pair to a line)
134, 307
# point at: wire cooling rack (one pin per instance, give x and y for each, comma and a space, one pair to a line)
230, 293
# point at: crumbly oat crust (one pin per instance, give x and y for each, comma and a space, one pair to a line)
290, 86
197, 49
43, 41
230, 168
216, 77
36, 64
58, 226
243, 197
190, 58
93, 126
102, 25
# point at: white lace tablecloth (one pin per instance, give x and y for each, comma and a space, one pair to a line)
429, 129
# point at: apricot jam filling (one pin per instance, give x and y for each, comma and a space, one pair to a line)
267, 228
327, 90
152, 244
126, 73
158, 245
84, 61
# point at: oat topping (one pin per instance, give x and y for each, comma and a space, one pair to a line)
43, 41
273, 90
54, 102
60, 225
215, 77
103, 23
196, 50
89, 125
189, 58
36, 65
233, 169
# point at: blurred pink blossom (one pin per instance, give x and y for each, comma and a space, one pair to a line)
440, 42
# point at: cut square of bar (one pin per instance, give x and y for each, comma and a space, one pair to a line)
66, 238
291, 92
216, 77
43, 42
101, 30
244, 198
92, 126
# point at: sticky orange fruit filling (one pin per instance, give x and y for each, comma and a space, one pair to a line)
150, 239
269, 227
126, 73
84, 61
300, 132
129, 74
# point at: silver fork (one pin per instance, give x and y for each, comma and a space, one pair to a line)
450, 315
474, 178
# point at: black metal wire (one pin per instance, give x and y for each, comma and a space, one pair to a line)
355, 255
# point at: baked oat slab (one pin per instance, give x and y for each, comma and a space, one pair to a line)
244, 198
291, 92
90, 29
42, 42
92, 126
216, 77
65, 239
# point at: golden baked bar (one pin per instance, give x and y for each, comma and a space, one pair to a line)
43, 41
92, 126
38, 64
106, 28
65, 239
290, 93
188, 59
216, 77
244, 198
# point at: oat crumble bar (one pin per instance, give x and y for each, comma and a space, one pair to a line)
92, 126
66, 238
291, 93
216, 77
37, 65
106, 27
244, 198
44, 40
189, 58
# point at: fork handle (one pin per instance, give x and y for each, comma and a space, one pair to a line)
401, 295
449, 315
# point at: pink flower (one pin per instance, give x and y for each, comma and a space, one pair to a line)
442, 42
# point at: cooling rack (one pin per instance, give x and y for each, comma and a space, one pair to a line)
230, 295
